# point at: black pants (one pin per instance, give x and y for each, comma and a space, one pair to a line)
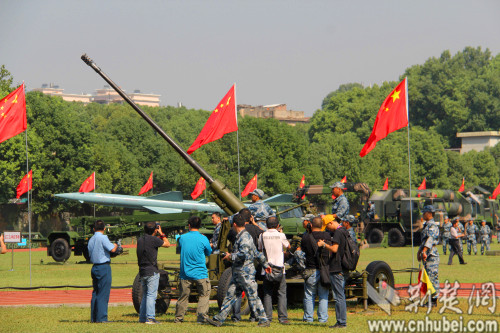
455, 249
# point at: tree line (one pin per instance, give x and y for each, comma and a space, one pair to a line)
67, 141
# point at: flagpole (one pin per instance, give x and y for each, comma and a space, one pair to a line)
237, 142
94, 193
29, 202
409, 181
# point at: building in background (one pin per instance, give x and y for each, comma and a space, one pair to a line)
105, 95
54, 90
276, 111
478, 140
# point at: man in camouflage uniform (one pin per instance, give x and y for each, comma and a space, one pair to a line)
216, 220
461, 229
243, 279
470, 231
340, 206
428, 252
260, 210
498, 230
446, 233
347, 223
484, 236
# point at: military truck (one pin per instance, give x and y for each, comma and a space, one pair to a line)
397, 213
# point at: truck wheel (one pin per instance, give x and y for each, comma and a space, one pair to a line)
375, 236
396, 238
161, 304
380, 275
224, 281
60, 250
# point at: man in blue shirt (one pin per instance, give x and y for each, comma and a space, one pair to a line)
99, 250
194, 247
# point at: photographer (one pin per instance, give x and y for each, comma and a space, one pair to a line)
194, 248
99, 250
147, 253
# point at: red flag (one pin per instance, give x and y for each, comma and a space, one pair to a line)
302, 181
302, 184
252, 185
392, 115
221, 121
462, 188
148, 186
12, 114
344, 180
386, 184
422, 186
25, 184
199, 188
89, 184
496, 192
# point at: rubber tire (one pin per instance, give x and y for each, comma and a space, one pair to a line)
224, 281
161, 304
379, 271
375, 236
60, 250
396, 238
86, 254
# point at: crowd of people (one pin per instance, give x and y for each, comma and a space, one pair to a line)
256, 236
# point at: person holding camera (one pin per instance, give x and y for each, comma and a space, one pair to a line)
271, 243
100, 249
147, 254
194, 248
243, 278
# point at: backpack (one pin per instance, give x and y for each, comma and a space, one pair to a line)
351, 254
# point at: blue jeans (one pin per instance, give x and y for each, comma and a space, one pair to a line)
338, 285
101, 282
149, 293
312, 286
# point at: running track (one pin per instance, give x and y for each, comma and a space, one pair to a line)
124, 296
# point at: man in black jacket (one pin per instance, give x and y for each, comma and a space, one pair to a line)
312, 277
336, 271
147, 252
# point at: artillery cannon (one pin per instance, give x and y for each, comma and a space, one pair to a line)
219, 271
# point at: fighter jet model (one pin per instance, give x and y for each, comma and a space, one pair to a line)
164, 203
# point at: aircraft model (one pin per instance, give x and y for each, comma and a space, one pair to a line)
164, 203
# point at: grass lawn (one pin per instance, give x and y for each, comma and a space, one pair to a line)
50, 273
76, 319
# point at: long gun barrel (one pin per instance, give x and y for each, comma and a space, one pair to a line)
223, 197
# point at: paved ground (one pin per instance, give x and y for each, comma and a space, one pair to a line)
124, 296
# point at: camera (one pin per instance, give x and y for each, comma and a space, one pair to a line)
223, 254
157, 225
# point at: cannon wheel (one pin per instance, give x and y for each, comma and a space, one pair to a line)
224, 281
375, 236
161, 305
396, 238
60, 250
379, 272
86, 253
